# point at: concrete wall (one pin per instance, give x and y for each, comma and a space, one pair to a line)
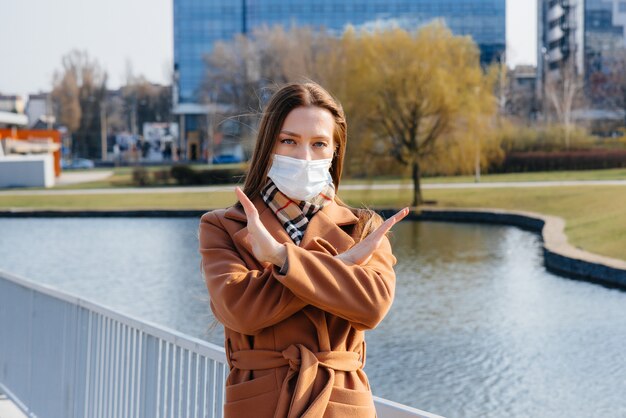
27, 171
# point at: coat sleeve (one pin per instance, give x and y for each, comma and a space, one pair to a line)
244, 300
361, 294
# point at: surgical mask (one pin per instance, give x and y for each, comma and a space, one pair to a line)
300, 179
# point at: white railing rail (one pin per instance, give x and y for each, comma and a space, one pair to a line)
64, 356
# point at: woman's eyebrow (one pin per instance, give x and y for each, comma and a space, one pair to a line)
299, 136
290, 133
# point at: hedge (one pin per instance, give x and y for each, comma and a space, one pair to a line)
562, 160
187, 176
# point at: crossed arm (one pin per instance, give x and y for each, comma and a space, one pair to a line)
357, 285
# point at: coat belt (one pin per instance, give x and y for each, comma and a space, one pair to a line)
304, 366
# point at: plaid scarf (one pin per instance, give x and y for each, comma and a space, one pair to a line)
294, 215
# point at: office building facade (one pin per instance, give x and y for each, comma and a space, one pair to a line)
605, 33
561, 40
587, 35
198, 24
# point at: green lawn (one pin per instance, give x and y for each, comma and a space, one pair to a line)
595, 215
122, 177
608, 174
181, 200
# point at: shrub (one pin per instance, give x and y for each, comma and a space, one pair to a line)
563, 160
543, 138
185, 175
140, 176
161, 176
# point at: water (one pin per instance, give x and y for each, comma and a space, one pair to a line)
478, 327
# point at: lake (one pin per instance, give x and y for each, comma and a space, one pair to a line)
478, 327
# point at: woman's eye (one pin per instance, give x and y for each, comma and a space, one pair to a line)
320, 144
287, 141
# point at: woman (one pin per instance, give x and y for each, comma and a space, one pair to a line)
295, 275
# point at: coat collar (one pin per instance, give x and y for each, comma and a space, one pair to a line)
325, 224
340, 215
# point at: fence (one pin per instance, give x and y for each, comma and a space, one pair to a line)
66, 357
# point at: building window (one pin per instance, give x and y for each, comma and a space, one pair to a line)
622, 6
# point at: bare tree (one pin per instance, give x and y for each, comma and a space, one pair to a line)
615, 86
146, 102
78, 93
66, 100
563, 89
238, 71
241, 74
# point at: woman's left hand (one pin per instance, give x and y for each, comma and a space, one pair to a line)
363, 250
264, 247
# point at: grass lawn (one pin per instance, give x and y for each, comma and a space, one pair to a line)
608, 174
122, 177
595, 215
181, 200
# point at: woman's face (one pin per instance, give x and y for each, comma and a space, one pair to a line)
307, 134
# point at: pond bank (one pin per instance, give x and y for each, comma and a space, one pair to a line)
560, 257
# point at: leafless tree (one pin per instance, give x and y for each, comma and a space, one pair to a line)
614, 88
564, 90
79, 89
241, 74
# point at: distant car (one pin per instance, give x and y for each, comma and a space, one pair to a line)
226, 159
77, 163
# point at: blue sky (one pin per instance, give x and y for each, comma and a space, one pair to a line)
37, 33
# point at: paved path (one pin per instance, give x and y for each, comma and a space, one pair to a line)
392, 186
74, 177
8, 409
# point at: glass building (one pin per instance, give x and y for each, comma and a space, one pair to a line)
586, 33
199, 23
605, 33
561, 39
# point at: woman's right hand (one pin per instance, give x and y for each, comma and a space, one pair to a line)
264, 247
363, 250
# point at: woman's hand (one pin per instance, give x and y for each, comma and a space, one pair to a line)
264, 247
362, 251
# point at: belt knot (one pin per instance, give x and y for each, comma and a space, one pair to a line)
293, 354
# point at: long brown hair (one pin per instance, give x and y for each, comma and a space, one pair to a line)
284, 100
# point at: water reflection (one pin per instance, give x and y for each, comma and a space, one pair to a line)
478, 327
148, 268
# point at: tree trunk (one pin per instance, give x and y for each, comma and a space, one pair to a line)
417, 192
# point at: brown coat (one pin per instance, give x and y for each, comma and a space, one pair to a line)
295, 341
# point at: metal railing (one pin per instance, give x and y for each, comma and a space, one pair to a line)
66, 357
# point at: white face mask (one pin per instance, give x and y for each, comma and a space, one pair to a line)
300, 179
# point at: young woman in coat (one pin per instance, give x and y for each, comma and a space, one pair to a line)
295, 275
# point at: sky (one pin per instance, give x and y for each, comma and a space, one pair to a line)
137, 34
